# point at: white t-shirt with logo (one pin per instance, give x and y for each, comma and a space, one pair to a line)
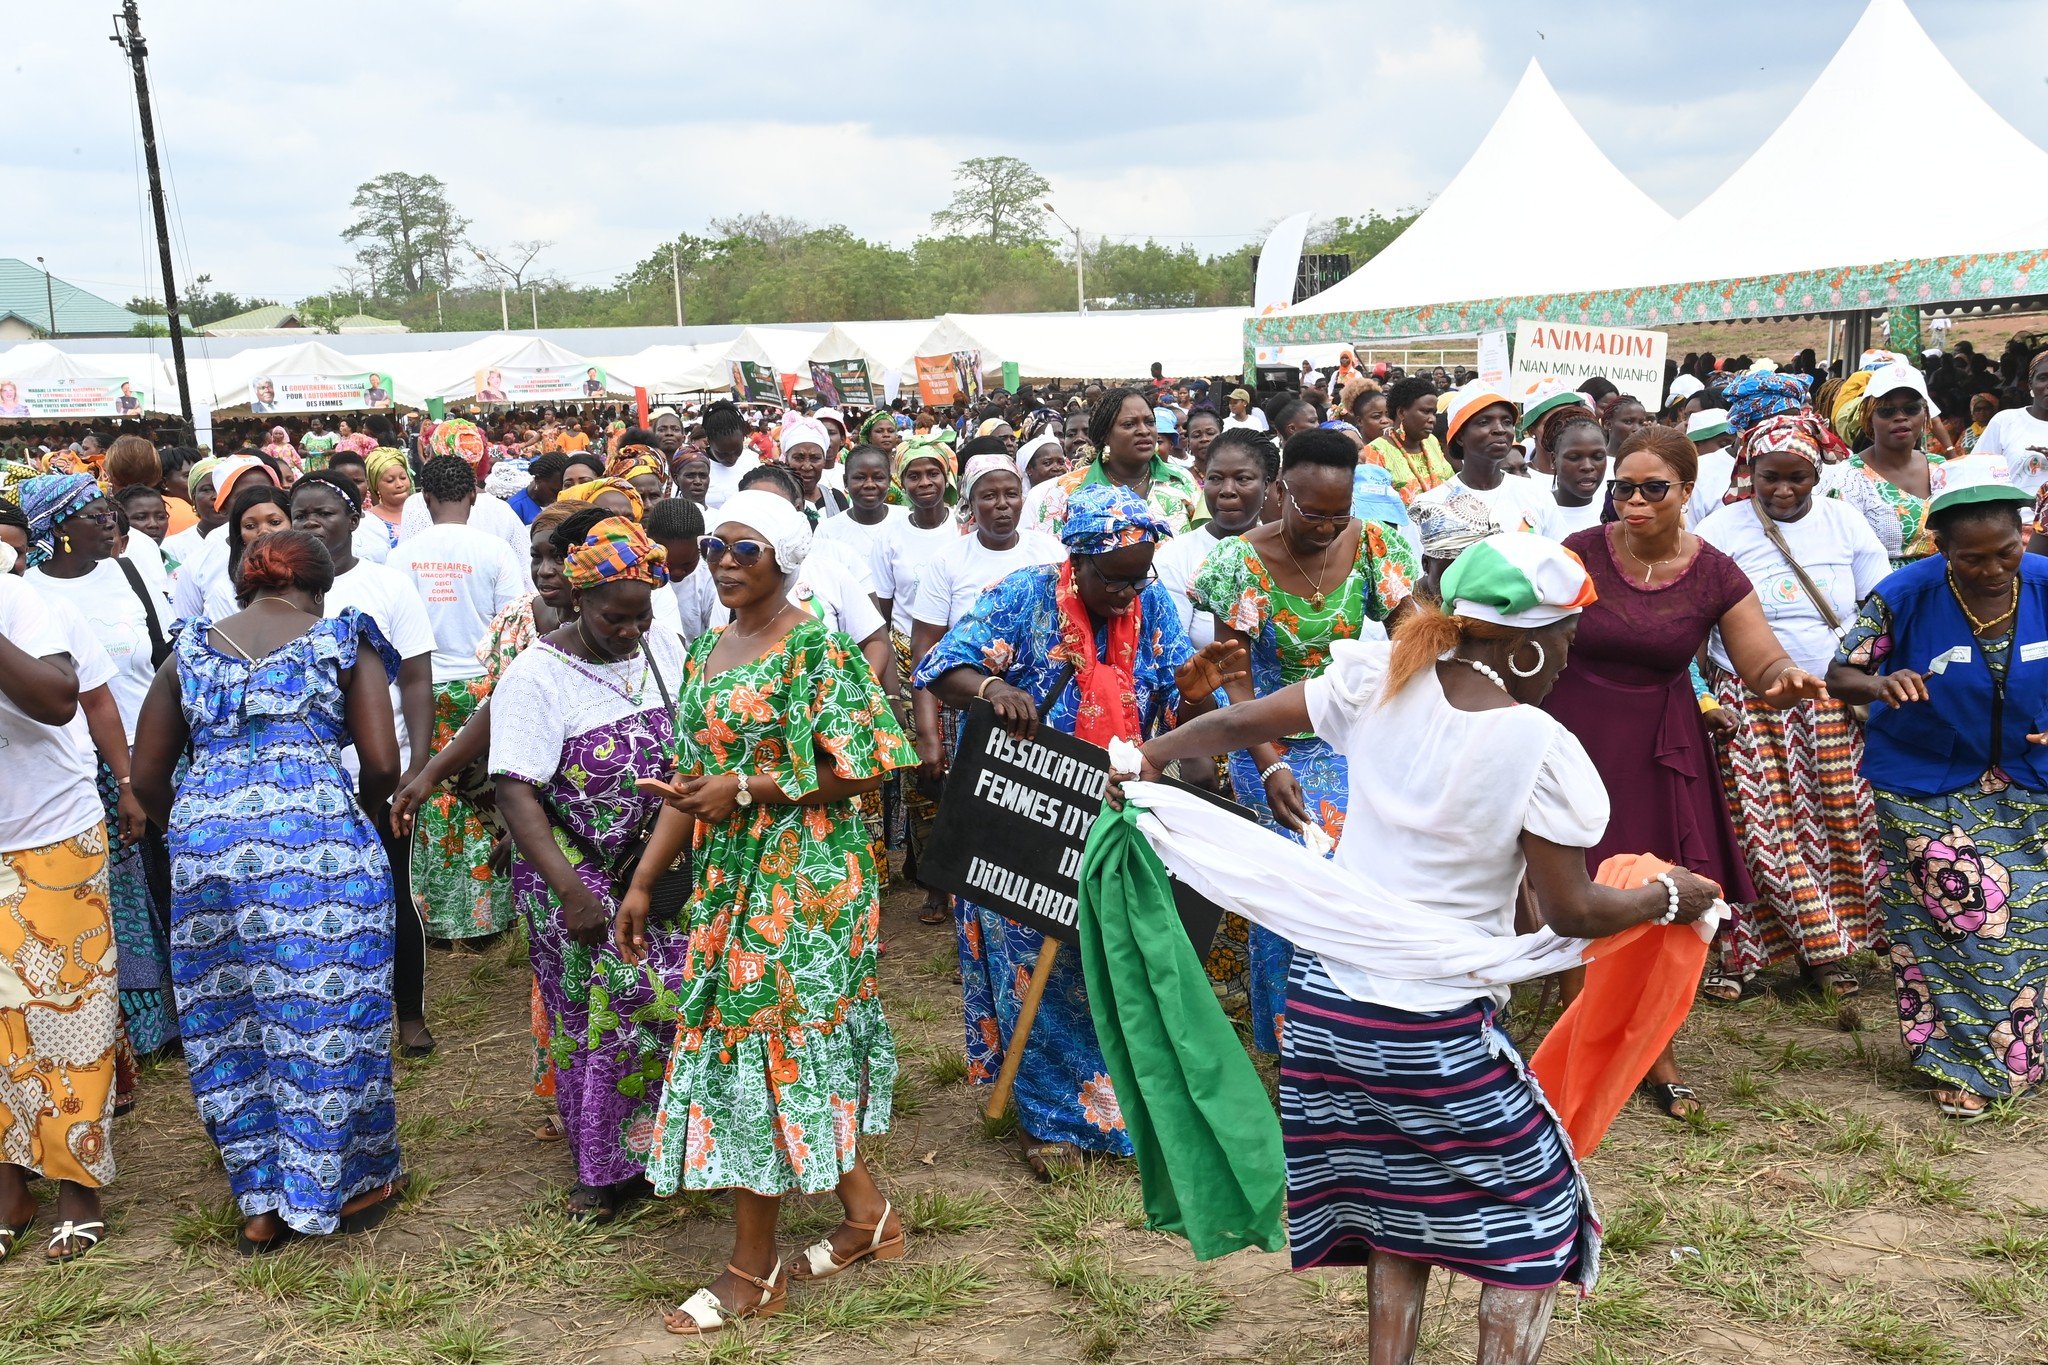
489, 513
2011, 436
464, 578
49, 791
107, 605
1839, 552
862, 540
389, 598
958, 575
900, 560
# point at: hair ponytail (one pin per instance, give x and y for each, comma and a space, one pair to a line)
1427, 635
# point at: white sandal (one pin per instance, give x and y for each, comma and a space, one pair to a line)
820, 1262
70, 1232
703, 1314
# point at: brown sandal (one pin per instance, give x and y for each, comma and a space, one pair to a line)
704, 1314
1047, 1158
821, 1262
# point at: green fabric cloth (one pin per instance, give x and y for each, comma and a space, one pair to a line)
1207, 1139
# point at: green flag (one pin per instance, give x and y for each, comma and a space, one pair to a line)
1207, 1140
1011, 379
436, 409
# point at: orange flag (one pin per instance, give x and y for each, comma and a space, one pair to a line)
1640, 985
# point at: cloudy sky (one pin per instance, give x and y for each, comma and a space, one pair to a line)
607, 126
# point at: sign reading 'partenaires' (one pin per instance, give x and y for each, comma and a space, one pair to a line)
1013, 821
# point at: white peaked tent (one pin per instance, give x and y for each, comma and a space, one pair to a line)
672, 369
884, 346
228, 382
41, 362
1468, 245
456, 377
1766, 219
787, 350
1118, 344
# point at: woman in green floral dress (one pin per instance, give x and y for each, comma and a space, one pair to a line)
782, 1057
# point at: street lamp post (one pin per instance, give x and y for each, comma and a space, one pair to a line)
534, 292
504, 315
49, 296
1080, 268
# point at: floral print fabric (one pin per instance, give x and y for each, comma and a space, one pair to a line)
1966, 910
783, 1057
458, 895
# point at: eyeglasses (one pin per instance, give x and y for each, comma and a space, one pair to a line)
1910, 407
1133, 584
1652, 490
103, 516
1333, 519
745, 553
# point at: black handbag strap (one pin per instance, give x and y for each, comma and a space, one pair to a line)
159, 647
629, 852
1812, 589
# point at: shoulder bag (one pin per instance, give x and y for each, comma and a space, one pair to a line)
1811, 588
159, 647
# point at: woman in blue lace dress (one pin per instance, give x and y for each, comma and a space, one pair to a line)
282, 920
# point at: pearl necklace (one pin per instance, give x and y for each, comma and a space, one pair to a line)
1496, 679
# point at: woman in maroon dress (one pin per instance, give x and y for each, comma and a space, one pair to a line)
1627, 695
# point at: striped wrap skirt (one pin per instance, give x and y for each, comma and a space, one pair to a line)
1423, 1136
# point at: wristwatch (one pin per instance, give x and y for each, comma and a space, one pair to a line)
745, 797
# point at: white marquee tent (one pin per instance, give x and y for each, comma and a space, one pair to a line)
1766, 220
458, 372
884, 346
1467, 245
1120, 344
784, 349
227, 385
673, 369
43, 362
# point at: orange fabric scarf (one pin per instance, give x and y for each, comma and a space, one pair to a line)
1639, 988
1108, 687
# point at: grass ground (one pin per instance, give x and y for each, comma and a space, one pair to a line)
1823, 1213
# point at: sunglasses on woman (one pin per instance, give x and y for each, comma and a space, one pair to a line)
1653, 490
745, 553
1906, 407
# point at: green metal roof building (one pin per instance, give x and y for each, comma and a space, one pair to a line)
25, 307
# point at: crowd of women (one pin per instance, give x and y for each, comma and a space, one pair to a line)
675, 708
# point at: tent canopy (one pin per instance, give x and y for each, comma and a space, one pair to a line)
785, 350
462, 373
40, 362
1111, 345
1466, 246
672, 369
231, 381
884, 346
1741, 229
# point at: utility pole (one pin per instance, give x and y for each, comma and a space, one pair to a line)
1080, 267
675, 270
131, 43
49, 297
533, 291
504, 317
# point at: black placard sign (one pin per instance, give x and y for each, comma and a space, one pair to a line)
1014, 818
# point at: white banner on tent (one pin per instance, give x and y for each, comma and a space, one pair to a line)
540, 383
1493, 357
99, 396
319, 392
1633, 361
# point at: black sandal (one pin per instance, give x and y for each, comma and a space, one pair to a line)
1665, 1098
250, 1246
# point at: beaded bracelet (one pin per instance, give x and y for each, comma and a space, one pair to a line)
1671, 898
1275, 766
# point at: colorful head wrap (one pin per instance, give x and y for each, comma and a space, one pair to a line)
1102, 517
775, 518
1454, 525
229, 472
48, 499
374, 465
926, 447
802, 431
979, 467
1796, 433
1753, 397
459, 437
1518, 579
588, 492
633, 460
615, 551
875, 419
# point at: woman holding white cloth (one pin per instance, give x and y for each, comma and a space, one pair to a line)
1414, 1137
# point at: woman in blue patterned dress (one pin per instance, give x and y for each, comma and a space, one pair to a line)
282, 920
1284, 591
1022, 650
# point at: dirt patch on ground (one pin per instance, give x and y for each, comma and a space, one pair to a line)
1822, 1213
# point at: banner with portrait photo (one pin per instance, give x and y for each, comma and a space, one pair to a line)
273, 393
851, 379
759, 383
56, 399
541, 383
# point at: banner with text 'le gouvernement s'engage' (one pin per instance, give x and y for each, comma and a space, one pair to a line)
270, 393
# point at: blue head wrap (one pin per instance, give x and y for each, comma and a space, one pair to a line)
1102, 517
49, 499
1753, 397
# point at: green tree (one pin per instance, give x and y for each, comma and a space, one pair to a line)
201, 303
406, 232
998, 198
1362, 238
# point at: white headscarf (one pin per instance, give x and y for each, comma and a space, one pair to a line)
1031, 448
798, 431
784, 528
